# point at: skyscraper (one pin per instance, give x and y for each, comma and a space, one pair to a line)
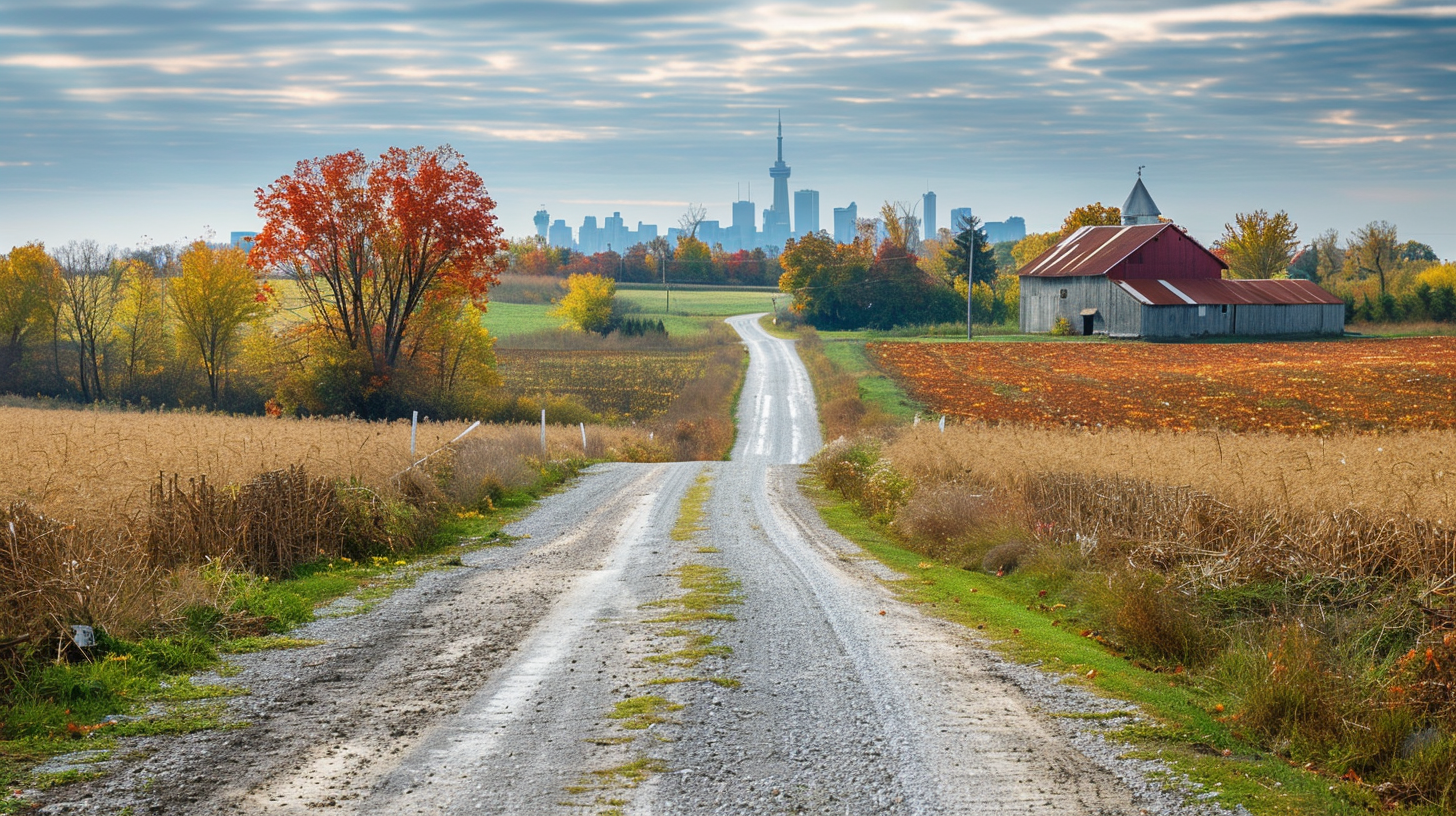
543, 222
589, 237
959, 218
845, 219
806, 212
743, 232
929, 215
560, 235
776, 218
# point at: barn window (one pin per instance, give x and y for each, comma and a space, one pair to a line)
1223, 309
1203, 311
1064, 294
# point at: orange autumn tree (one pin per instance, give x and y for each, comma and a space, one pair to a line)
370, 242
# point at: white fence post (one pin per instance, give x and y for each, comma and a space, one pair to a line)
414, 426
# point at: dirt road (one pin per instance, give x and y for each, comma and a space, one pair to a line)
683, 638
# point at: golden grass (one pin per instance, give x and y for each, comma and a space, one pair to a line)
1412, 472
1215, 509
73, 463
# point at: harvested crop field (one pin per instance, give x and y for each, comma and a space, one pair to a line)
70, 462
1308, 387
619, 386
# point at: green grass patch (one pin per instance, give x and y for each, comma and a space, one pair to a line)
249, 645
644, 711
1184, 727
717, 303
717, 680
507, 319
709, 589
690, 509
700, 647
875, 388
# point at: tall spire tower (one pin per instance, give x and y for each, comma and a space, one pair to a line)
776, 219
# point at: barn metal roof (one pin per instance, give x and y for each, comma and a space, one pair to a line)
1092, 251
1214, 292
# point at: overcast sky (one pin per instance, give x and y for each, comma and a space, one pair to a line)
154, 122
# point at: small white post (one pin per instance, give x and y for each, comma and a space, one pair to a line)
583, 438
942, 423
414, 426
916, 423
543, 430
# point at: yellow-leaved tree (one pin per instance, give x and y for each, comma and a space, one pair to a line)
214, 298
1091, 215
141, 323
28, 282
587, 304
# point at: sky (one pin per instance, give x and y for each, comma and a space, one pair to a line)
140, 123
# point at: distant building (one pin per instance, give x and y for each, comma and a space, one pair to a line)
242, 240
776, 225
1012, 229
614, 233
806, 212
845, 219
560, 235
959, 218
929, 213
646, 233
542, 221
1154, 281
589, 237
743, 232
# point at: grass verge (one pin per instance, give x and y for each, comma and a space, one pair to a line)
88, 700
1184, 725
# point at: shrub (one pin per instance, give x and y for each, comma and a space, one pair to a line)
1293, 697
858, 473
941, 520
1150, 618
1004, 558
1061, 327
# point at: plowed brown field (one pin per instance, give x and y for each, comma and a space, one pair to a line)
1359, 385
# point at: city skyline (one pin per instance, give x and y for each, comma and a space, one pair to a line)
777, 225
160, 120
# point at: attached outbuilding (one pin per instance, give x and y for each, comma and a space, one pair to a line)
1152, 280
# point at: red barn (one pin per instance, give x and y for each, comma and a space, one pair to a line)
1153, 280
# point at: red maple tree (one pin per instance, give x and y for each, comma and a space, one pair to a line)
369, 241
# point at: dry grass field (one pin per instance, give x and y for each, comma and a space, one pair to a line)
1312, 387
72, 463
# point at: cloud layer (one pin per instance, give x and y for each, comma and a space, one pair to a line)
157, 118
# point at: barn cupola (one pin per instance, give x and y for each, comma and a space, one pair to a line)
1139, 208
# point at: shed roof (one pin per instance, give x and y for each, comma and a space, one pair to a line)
1215, 292
1096, 250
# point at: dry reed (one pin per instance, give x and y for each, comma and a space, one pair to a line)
1217, 509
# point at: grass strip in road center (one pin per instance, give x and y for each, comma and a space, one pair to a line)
708, 590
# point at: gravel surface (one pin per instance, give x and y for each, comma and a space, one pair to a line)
603, 665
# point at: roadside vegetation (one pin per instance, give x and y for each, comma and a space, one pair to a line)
1281, 604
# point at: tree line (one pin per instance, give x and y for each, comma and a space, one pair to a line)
362, 294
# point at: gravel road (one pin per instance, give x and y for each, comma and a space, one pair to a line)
619, 661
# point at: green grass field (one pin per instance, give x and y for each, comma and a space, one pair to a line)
692, 310
697, 302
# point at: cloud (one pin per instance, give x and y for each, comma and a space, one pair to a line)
664, 101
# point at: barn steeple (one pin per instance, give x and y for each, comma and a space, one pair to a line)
1139, 207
